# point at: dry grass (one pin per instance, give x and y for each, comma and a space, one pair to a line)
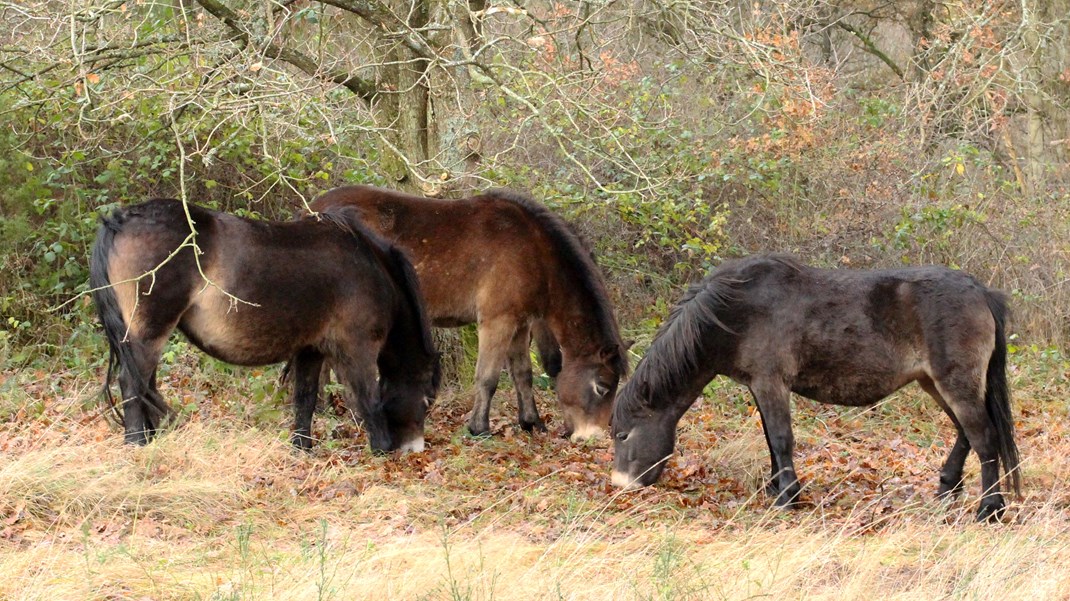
225, 510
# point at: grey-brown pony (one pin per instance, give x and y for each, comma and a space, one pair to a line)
844, 337
511, 266
255, 292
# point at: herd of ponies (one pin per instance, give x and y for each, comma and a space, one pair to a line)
357, 284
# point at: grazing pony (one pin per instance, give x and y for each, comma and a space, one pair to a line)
511, 266
255, 292
838, 336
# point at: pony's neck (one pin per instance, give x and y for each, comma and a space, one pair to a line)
579, 332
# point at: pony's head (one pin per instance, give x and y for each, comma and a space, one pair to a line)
643, 437
405, 401
586, 388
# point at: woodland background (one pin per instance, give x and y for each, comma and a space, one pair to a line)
673, 134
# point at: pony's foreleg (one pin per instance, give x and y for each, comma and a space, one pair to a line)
548, 348
357, 373
495, 337
305, 373
772, 487
773, 400
520, 372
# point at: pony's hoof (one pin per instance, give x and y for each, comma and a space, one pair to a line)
788, 499
991, 512
534, 426
136, 438
479, 431
949, 491
301, 442
772, 489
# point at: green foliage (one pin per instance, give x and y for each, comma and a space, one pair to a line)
56, 187
933, 230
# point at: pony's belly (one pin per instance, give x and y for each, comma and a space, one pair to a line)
853, 390
227, 340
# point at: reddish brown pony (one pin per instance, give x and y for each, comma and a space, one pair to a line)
256, 292
508, 264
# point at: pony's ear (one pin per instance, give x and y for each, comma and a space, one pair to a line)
628, 344
644, 392
610, 352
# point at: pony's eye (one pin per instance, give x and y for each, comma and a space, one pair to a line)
622, 436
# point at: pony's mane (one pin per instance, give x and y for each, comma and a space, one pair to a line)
578, 258
675, 353
394, 259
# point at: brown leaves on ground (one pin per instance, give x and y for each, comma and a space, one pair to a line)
861, 469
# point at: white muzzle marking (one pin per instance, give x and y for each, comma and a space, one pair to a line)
415, 445
586, 431
622, 480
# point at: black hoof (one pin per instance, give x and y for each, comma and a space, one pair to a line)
772, 489
301, 442
479, 431
136, 438
949, 491
786, 499
991, 511
536, 426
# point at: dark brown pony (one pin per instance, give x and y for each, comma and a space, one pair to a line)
255, 292
508, 264
845, 337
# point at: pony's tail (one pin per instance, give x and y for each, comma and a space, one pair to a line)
120, 353
997, 394
548, 348
111, 317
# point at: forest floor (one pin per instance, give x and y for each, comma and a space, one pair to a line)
221, 508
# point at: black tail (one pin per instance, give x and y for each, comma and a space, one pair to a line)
997, 394
120, 353
548, 348
111, 316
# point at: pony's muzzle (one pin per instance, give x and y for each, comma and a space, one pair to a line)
624, 481
587, 430
412, 445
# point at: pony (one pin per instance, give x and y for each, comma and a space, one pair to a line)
254, 293
514, 268
836, 336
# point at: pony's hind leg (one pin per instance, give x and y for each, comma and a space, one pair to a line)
964, 394
143, 407
773, 400
951, 483
305, 374
520, 372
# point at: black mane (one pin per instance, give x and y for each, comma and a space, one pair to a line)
675, 353
396, 262
673, 356
578, 258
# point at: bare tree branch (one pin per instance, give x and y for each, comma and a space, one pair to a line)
363, 88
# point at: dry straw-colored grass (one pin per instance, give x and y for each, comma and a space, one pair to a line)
217, 511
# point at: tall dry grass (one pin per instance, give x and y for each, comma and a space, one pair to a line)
220, 511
